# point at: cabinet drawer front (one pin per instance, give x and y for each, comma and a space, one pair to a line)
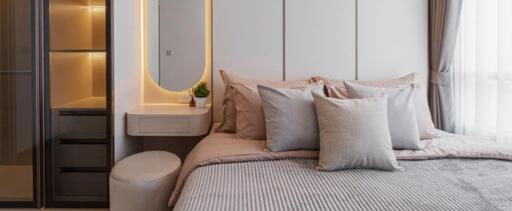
81, 155
81, 124
81, 184
164, 124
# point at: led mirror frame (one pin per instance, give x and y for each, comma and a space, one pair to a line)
206, 76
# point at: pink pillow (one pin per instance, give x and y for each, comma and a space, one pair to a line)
250, 119
425, 124
337, 89
230, 120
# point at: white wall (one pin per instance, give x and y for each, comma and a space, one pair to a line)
266, 39
320, 39
247, 39
127, 72
153, 40
392, 39
133, 86
297, 39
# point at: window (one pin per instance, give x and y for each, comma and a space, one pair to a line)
483, 70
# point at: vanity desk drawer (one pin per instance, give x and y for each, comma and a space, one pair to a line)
164, 124
168, 120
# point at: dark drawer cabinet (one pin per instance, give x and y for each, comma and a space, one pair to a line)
79, 155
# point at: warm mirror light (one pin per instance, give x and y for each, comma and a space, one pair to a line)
176, 42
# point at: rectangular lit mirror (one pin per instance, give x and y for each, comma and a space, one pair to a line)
176, 42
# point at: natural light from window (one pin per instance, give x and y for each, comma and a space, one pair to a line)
483, 70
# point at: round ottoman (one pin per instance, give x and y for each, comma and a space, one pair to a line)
143, 181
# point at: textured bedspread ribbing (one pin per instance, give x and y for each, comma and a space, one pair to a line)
446, 184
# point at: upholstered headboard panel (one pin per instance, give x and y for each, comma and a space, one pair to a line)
342, 39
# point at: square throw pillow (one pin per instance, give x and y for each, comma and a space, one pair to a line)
401, 112
337, 89
228, 123
354, 134
290, 117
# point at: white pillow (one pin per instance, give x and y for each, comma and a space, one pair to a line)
290, 117
403, 125
354, 134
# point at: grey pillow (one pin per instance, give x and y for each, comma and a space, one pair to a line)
290, 117
401, 113
354, 134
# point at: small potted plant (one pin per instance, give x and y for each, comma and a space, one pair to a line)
201, 93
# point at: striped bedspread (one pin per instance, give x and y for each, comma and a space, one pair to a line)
444, 184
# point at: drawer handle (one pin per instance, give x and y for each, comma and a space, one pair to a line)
82, 113
83, 141
82, 169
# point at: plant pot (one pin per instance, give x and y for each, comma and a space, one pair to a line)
201, 102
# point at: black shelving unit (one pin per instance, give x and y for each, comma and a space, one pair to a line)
78, 120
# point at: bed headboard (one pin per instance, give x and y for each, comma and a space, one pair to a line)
342, 39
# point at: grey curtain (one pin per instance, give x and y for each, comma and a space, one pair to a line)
444, 17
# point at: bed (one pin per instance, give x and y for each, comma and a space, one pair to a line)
453, 172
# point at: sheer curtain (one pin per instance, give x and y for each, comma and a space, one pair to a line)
483, 70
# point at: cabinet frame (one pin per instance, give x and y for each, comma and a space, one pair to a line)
46, 139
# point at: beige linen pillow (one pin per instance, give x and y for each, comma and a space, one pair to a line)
403, 125
290, 117
337, 89
228, 123
354, 134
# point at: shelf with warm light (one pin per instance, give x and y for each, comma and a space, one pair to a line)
77, 24
79, 103
78, 51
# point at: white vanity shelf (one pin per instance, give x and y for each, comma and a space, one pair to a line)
169, 120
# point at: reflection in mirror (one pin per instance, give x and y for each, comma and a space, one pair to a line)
176, 42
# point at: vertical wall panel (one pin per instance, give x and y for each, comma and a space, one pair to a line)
392, 38
248, 40
320, 38
127, 72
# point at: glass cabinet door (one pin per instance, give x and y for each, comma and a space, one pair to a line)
18, 104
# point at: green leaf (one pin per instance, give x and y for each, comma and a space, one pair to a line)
201, 90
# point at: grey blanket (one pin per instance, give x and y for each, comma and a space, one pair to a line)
446, 184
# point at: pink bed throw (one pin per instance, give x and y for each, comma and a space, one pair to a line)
220, 148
